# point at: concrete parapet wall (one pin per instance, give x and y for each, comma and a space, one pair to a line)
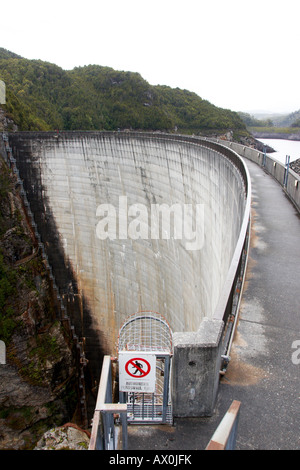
273, 167
197, 359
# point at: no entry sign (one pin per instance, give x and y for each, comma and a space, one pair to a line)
137, 371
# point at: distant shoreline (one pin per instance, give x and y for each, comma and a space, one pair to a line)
276, 135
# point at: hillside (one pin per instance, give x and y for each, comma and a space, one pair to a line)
289, 120
271, 120
43, 96
273, 127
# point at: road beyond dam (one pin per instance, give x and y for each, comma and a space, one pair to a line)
133, 222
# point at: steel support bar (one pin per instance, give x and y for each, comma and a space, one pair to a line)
103, 435
94, 440
224, 437
166, 388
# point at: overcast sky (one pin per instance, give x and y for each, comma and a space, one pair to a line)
237, 54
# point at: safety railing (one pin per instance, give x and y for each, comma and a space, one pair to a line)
107, 415
225, 435
286, 177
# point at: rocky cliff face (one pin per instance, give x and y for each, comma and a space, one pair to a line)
295, 166
38, 381
277, 135
6, 123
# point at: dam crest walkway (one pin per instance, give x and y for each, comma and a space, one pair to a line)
263, 373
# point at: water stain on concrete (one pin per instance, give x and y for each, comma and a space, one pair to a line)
240, 372
145, 431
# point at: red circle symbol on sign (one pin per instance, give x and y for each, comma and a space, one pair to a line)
137, 367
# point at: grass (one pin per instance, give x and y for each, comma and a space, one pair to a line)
276, 130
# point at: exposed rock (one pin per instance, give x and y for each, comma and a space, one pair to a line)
295, 166
6, 123
67, 437
248, 141
277, 135
38, 381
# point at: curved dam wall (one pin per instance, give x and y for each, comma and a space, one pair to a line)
99, 199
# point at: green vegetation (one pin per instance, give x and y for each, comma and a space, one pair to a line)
42, 348
275, 130
19, 264
8, 276
288, 124
296, 123
37, 346
290, 120
42, 96
251, 121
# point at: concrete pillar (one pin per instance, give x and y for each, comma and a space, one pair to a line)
195, 369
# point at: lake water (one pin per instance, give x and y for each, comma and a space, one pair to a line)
283, 148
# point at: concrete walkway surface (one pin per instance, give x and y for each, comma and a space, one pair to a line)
264, 371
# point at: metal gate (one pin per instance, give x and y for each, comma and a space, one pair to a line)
145, 350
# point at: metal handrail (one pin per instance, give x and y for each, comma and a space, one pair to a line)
104, 433
224, 438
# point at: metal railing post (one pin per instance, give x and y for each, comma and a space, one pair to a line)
166, 388
103, 435
286, 173
224, 438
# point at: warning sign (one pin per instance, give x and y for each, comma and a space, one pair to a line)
137, 372
137, 367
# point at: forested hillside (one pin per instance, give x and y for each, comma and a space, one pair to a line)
278, 121
290, 120
43, 96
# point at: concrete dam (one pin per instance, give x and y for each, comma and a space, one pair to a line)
142, 222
